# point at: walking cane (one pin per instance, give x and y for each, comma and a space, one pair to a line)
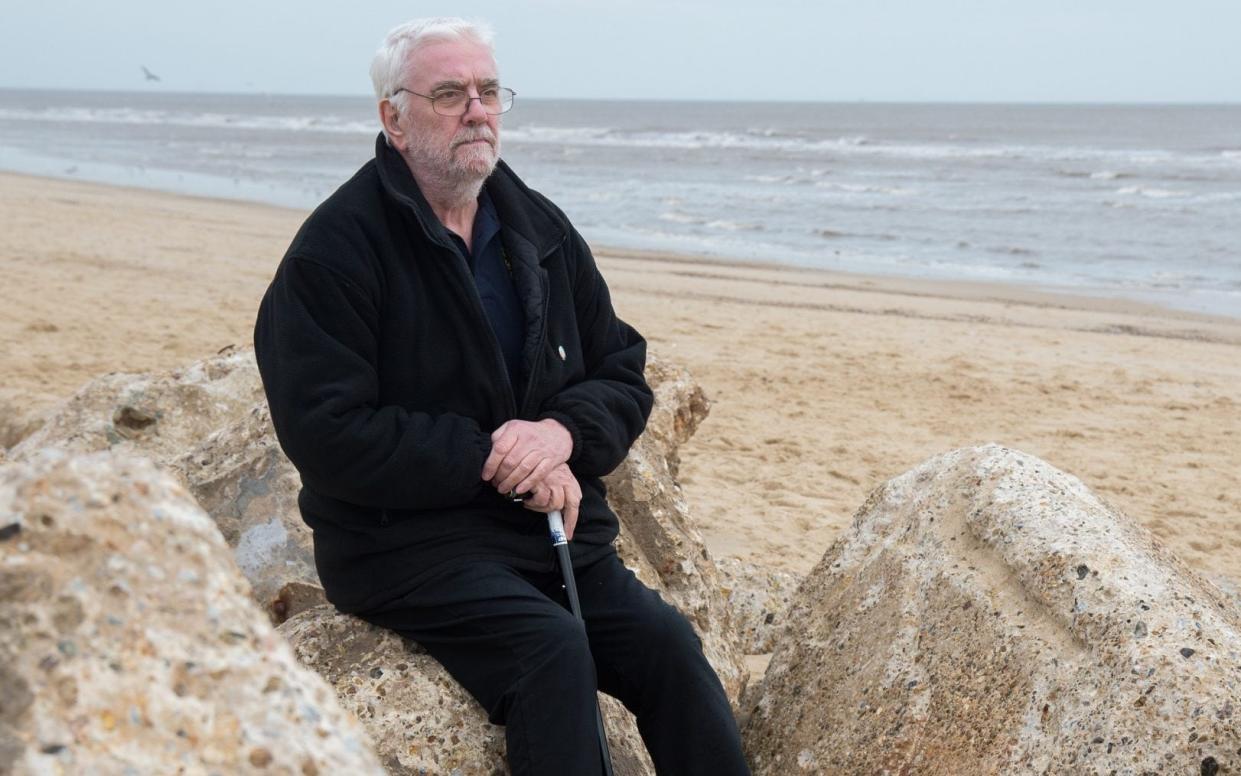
555, 523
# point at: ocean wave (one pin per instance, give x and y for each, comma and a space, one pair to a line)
800, 177
1191, 198
1012, 250
234, 151
140, 116
786, 180
1098, 175
861, 188
733, 245
835, 234
1153, 193
734, 226
1220, 196
1099, 163
1103, 161
722, 224
763, 131
845, 145
678, 217
1179, 279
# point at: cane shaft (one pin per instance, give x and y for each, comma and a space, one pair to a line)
556, 526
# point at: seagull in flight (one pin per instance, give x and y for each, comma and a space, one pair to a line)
150, 76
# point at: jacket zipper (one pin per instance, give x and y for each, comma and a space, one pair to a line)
535, 364
537, 361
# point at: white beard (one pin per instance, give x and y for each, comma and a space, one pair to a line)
454, 174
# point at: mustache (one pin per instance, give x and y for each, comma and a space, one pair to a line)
470, 135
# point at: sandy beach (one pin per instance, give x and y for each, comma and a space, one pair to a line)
823, 384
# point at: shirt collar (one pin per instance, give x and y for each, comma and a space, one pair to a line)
486, 223
536, 226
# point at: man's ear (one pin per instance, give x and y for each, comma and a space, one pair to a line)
388, 115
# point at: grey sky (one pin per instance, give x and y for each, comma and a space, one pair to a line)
919, 50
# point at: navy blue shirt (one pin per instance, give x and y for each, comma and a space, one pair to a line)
495, 287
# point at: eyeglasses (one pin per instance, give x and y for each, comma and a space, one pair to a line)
456, 102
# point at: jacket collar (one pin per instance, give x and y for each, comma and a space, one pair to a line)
524, 216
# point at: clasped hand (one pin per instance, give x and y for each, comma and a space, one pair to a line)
530, 458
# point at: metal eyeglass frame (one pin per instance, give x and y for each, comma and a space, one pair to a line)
466, 109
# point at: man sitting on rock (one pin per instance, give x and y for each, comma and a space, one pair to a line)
443, 363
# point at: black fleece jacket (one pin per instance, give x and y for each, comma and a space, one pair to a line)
385, 382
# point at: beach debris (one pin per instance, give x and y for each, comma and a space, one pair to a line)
952, 630
129, 643
130, 421
295, 598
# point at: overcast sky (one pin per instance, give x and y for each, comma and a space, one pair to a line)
902, 50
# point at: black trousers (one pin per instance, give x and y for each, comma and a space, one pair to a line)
509, 639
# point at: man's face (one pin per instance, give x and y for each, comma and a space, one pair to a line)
450, 148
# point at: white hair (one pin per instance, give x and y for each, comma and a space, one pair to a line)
388, 66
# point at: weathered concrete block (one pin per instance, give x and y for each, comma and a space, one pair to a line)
129, 643
986, 613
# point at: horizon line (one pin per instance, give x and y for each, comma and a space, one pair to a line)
742, 100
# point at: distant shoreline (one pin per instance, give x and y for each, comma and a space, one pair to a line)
1084, 299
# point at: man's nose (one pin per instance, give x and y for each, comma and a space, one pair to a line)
474, 113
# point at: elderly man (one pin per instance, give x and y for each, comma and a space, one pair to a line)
443, 365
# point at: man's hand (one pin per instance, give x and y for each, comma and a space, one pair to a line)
558, 490
523, 453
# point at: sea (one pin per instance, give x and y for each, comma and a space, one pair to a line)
1135, 201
